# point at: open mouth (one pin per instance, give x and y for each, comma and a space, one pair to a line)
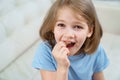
69, 45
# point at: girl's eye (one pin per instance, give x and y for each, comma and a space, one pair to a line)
78, 27
61, 25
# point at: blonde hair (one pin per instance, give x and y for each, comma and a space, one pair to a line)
83, 7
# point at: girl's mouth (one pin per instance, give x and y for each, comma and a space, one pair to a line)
69, 45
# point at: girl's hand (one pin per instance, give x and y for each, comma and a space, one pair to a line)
60, 53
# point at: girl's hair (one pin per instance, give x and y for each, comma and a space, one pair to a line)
83, 7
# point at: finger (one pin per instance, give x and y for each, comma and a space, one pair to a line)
64, 50
59, 45
58, 48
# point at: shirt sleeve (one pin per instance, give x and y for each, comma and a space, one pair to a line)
101, 60
43, 58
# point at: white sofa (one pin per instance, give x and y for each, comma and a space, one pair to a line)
20, 21
109, 15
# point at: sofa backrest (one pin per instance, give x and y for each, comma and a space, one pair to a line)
109, 15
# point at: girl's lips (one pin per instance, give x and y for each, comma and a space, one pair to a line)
69, 45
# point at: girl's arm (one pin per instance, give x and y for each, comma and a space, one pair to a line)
47, 75
98, 76
60, 53
58, 75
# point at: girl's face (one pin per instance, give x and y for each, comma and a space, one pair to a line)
72, 29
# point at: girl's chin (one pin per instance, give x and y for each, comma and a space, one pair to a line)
72, 53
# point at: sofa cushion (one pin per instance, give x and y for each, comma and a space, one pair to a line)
16, 45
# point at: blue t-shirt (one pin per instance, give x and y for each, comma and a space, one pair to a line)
82, 66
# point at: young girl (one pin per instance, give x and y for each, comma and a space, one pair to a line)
71, 47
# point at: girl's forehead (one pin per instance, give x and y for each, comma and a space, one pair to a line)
76, 14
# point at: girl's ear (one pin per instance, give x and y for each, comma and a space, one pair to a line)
90, 32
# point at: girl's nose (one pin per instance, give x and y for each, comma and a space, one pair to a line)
68, 35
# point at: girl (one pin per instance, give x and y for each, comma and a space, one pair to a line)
71, 47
